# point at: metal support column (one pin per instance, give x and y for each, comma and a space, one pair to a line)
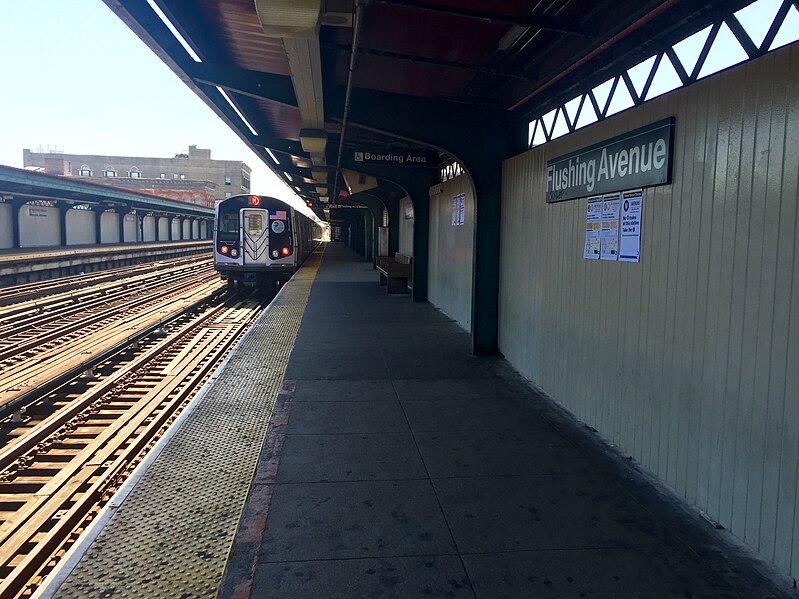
98, 224
62, 218
123, 212
16, 209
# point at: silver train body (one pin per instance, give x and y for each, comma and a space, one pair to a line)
260, 241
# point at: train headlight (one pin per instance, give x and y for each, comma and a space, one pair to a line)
275, 254
223, 249
234, 252
285, 251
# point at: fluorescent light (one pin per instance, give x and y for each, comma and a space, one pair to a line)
174, 31
273, 156
236, 108
289, 177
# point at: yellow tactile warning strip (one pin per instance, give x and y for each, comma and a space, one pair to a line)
171, 535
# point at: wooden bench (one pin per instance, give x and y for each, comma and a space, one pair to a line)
394, 272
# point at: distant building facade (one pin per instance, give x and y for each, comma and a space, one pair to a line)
193, 177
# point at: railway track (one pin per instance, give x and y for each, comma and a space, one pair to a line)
71, 332
40, 294
63, 459
50, 254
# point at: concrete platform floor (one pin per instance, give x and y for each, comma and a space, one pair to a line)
400, 465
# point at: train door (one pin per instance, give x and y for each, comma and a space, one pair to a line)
254, 237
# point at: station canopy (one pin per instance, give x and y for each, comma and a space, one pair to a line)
309, 83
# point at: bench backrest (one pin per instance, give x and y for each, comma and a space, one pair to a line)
402, 258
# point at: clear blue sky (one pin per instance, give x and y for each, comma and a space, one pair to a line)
74, 76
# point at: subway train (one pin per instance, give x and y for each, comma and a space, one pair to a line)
260, 241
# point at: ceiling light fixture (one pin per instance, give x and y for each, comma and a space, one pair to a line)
178, 36
313, 140
268, 151
236, 109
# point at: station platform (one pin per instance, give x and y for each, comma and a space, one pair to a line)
353, 446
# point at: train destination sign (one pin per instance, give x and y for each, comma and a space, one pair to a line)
395, 158
639, 158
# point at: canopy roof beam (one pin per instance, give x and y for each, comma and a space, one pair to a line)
486, 17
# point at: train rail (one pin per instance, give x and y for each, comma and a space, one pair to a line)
73, 331
11, 258
74, 446
17, 297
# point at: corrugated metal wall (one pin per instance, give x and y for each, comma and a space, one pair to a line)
450, 269
6, 226
109, 227
81, 227
689, 360
39, 226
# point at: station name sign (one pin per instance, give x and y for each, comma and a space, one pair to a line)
383, 157
639, 158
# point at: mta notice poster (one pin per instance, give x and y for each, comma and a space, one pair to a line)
631, 207
593, 226
609, 237
459, 210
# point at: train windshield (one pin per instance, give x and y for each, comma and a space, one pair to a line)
228, 227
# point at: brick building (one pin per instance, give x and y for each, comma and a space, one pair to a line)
192, 177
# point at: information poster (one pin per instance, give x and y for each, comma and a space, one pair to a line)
609, 236
458, 210
593, 226
631, 208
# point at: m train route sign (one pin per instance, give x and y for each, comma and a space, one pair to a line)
639, 158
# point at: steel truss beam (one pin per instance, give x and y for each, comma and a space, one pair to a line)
622, 80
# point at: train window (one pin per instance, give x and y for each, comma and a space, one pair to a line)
229, 223
254, 223
228, 180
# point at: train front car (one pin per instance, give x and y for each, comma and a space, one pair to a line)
254, 241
